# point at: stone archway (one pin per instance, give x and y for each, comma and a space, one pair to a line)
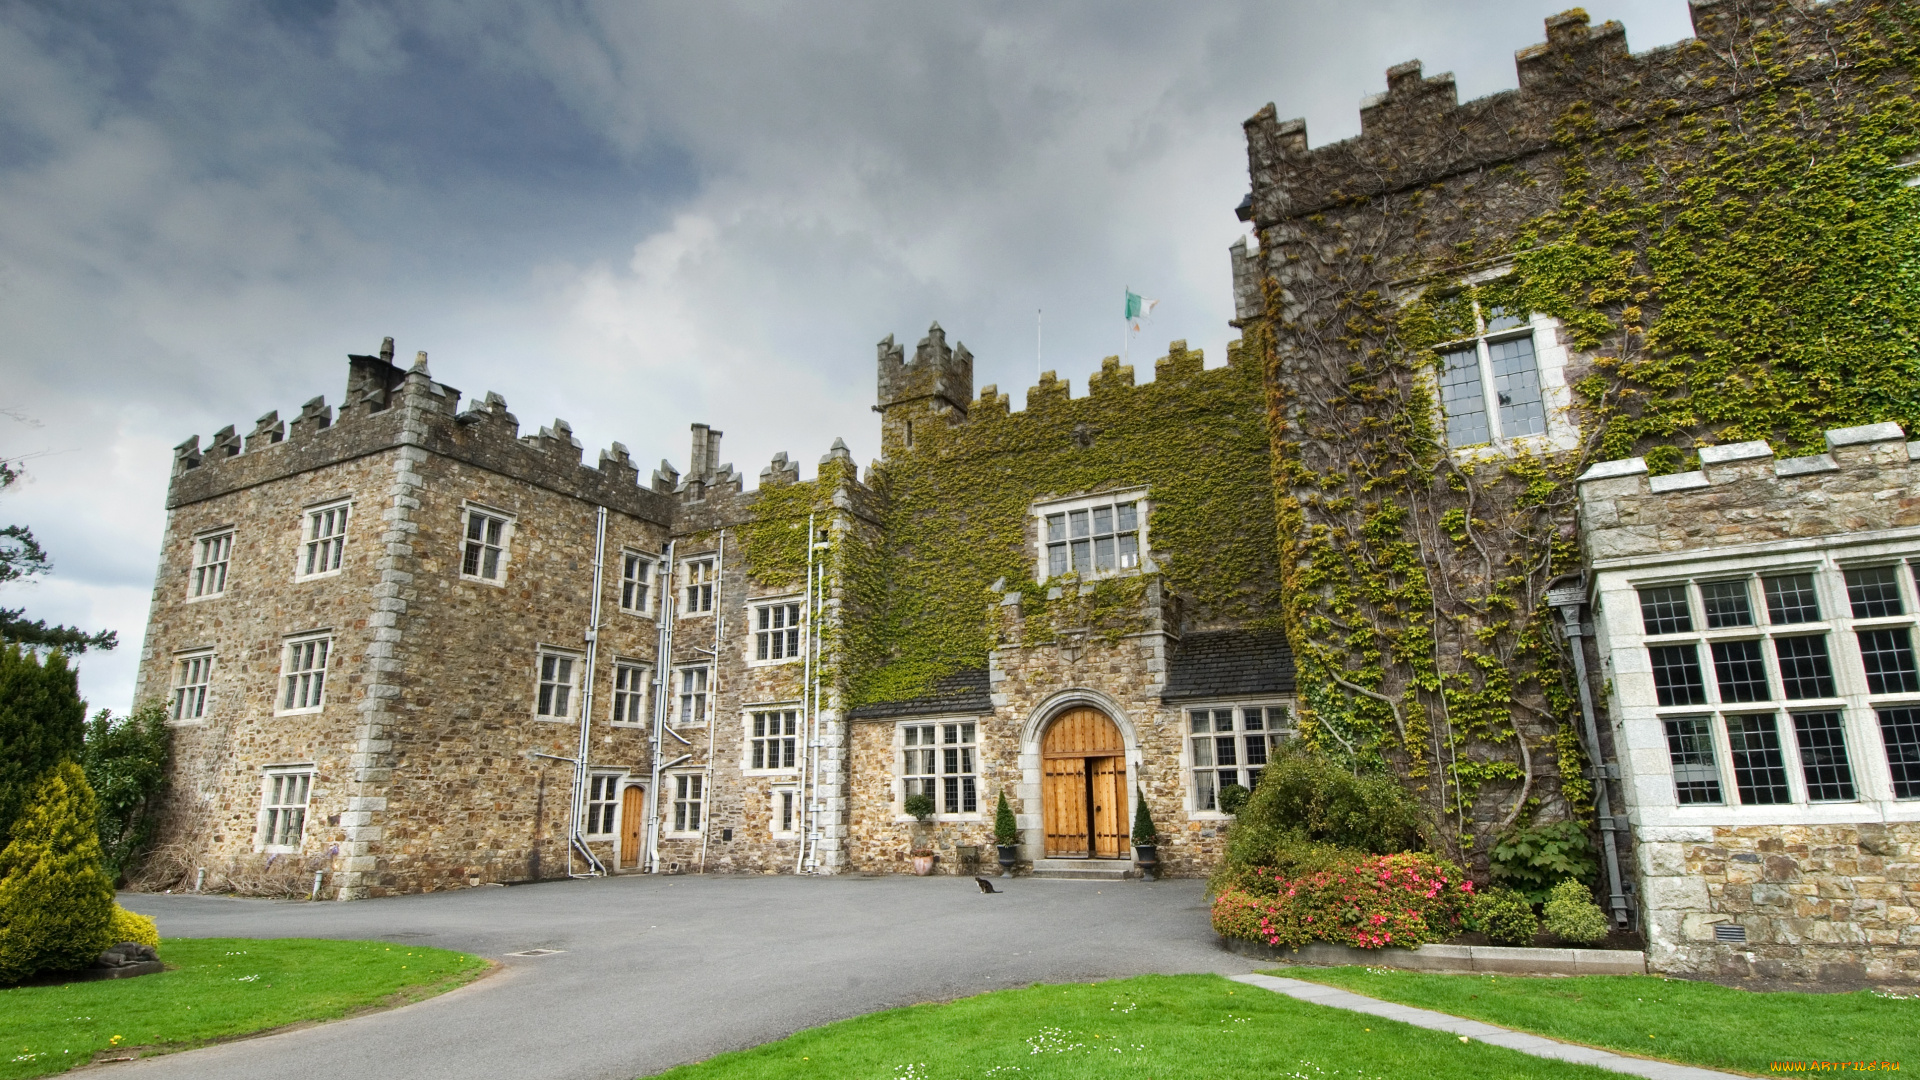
1083, 788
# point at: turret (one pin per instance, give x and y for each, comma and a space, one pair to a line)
935, 387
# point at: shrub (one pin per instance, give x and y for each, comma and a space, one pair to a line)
919, 804
1143, 831
126, 764
1303, 796
42, 723
1233, 797
56, 903
1376, 901
1294, 857
1573, 916
131, 926
1006, 830
1504, 916
1532, 860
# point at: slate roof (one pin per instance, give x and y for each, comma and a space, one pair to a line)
961, 692
1226, 663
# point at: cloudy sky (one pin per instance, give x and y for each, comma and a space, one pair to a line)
631, 215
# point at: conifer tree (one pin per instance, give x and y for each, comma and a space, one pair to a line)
42, 723
56, 902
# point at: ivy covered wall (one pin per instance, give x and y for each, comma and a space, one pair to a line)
1723, 229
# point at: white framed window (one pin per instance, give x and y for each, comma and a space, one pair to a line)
919, 767
773, 740
692, 685
776, 632
939, 760
192, 675
697, 577
1230, 744
303, 673
784, 819
488, 538
283, 807
1094, 536
631, 687
636, 581
323, 540
212, 554
689, 802
603, 804
559, 684
1490, 384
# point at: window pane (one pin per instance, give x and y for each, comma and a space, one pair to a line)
1102, 520
1804, 668
1252, 720
1727, 604
1790, 599
1888, 657
1103, 553
1498, 319
1462, 398
1223, 750
1127, 517
1664, 610
1823, 755
1056, 560
1056, 527
1129, 551
1900, 730
1516, 386
1690, 746
1741, 671
1676, 675
1201, 721
1759, 769
1082, 555
1257, 750
1202, 753
1874, 592
1077, 522
1203, 792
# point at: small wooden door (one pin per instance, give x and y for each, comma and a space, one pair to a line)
1084, 794
633, 813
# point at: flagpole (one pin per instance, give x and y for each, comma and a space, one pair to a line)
1039, 358
1126, 332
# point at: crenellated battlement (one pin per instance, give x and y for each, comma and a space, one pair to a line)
1869, 479
935, 386
1418, 132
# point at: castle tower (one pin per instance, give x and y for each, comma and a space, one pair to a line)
934, 387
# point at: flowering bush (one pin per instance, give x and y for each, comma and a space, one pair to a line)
1371, 903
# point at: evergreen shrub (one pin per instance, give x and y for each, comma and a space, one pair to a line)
56, 903
125, 761
1503, 915
1372, 902
1233, 798
131, 926
919, 805
1305, 797
1143, 830
42, 723
1573, 916
1006, 829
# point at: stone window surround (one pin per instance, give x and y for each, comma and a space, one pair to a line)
651, 577
1186, 741
683, 580
1638, 721
197, 550
287, 645
983, 805
182, 661
645, 668
1551, 355
671, 782
306, 540
751, 646
468, 508
679, 689
779, 791
267, 775
1040, 510
793, 705
613, 785
540, 653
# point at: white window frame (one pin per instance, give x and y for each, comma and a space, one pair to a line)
307, 683
642, 582
213, 542
1550, 357
602, 809
699, 581
790, 639
559, 668
678, 784
681, 692
785, 802
192, 686
328, 551
1192, 767
956, 760
469, 511
280, 782
634, 699
1041, 511
764, 741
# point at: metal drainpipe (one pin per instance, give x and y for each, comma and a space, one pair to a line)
713, 691
581, 775
816, 652
1570, 602
662, 701
806, 709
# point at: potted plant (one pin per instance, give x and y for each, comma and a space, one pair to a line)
1146, 853
922, 861
920, 805
1006, 835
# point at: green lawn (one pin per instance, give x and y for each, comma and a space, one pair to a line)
1692, 1022
1190, 1027
223, 987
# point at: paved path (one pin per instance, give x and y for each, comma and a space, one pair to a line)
656, 971
1474, 1029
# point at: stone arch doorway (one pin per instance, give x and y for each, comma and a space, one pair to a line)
1083, 790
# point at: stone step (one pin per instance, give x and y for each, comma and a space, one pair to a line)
1083, 869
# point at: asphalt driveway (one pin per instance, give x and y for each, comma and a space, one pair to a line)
656, 971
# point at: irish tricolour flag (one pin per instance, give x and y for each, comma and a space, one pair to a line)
1138, 308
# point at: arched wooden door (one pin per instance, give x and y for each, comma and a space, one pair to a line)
633, 812
1084, 791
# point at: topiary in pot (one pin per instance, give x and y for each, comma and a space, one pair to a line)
1006, 834
1573, 916
920, 805
1143, 831
1504, 916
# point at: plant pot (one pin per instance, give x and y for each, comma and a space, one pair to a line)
1009, 855
923, 865
1147, 858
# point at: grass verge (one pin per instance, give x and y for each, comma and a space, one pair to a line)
1193, 1027
1695, 1023
218, 988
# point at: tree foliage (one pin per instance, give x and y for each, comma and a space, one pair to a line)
126, 763
56, 902
1304, 797
21, 556
42, 723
